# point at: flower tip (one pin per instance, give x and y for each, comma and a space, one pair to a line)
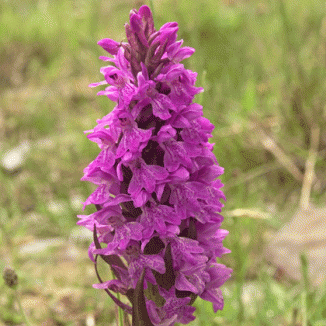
109, 45
135, 23
145, 11
132, 12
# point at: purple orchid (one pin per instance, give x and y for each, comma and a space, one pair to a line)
158, 197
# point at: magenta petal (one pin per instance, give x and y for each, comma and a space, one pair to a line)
147, 16
104, 82
215, 296
182, 284
154, 262
136, 230
109, 45
141, 198
161, 105
132, 139
219, 274
183, 53
111, 92
135, 22
121, 198
175, 154
114, 285
173, 49
144, 176
180, 175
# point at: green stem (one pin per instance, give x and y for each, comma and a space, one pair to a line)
304, 308
120, 312
21, 308
306, 288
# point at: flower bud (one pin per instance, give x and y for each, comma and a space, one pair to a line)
10, 277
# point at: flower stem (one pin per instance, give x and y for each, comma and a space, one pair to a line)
304, 308
120, 312
21, 308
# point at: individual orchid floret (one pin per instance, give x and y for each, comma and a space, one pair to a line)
156, 217
138, 260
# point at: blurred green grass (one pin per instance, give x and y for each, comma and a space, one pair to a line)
262, 64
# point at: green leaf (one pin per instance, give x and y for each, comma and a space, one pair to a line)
139, 312
166, 280
153, 294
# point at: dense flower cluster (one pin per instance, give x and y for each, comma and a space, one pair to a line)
158, 198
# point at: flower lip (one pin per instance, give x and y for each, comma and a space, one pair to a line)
116, 221
133, 249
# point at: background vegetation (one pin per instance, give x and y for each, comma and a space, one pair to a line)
262, 64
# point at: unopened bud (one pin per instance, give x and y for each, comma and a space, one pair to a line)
10, 277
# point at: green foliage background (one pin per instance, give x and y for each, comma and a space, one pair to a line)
262, 64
